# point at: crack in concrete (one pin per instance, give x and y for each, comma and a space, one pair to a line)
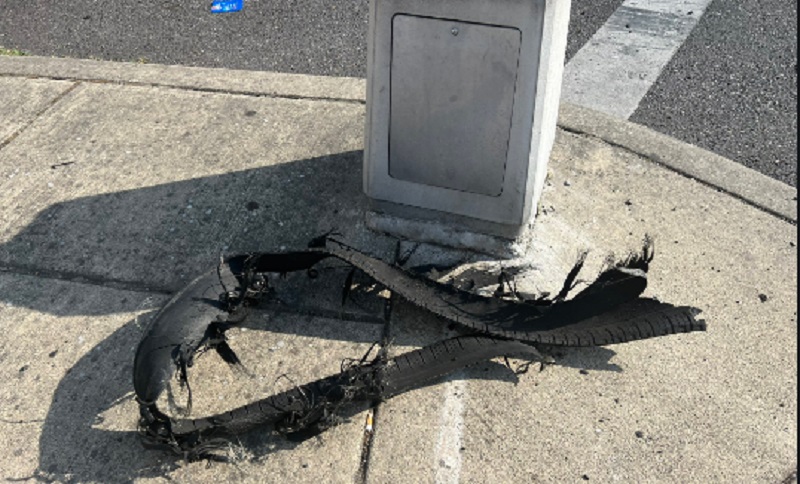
22, 422
40, 113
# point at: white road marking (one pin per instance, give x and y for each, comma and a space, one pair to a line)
615, 69
447, 455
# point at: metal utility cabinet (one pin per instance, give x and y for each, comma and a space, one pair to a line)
462, 101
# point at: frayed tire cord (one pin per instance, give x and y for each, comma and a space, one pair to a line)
377, 380
315, 403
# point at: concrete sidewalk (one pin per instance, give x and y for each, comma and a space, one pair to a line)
120, 182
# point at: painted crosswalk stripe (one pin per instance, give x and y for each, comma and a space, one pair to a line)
615, 69
447, 455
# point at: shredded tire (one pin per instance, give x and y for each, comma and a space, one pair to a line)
610, 310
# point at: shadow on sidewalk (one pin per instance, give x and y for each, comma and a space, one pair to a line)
159, 238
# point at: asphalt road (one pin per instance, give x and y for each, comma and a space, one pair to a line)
731, 88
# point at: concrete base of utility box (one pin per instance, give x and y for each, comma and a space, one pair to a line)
454, 235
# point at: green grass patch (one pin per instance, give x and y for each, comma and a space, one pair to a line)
4, 51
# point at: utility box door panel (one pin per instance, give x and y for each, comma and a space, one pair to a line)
462, 99
452, 99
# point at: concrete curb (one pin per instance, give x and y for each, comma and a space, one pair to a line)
745, 184
253, 83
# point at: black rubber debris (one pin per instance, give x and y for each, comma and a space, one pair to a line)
609, 310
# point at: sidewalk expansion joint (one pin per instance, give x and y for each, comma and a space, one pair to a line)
683, 173
213, 90
38, 114
141, 287
66, 276
348, 316
362, 474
